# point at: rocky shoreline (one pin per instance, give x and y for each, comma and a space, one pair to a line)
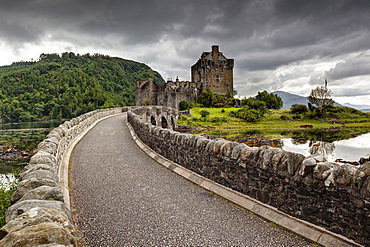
10, 153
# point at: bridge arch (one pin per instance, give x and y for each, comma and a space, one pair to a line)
153, 121
164, 122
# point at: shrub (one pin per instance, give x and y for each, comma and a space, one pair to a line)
297, 116
283, 117
184, 105
298, 109
204, 113
232, 114
223, 110
249, 115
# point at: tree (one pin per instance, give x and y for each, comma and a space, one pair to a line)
207, 98
184, 105
321, 97
273, 101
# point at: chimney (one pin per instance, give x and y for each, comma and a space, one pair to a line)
215, 52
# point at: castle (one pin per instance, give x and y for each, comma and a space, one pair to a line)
212, 71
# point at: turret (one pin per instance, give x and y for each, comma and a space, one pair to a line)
215, 52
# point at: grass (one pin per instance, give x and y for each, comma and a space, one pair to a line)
5, 196
271, 126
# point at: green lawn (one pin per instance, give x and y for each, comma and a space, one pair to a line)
270, 126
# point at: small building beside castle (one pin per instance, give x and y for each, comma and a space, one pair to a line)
212, 71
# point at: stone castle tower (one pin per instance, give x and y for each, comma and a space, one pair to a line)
212, 71
215, 71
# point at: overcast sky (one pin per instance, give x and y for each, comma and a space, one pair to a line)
286, 45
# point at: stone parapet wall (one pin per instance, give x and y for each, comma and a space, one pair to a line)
39, 214
336, 197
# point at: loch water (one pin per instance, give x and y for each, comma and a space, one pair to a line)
351, 149
21, 136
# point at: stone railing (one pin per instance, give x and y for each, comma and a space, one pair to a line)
40, 214
335, 197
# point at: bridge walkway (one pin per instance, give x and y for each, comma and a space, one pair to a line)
122, 197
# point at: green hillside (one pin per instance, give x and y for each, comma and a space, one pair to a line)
67, 85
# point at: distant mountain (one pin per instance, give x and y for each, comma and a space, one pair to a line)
290, 99
364, 108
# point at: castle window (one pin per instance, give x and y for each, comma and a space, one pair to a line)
217, 78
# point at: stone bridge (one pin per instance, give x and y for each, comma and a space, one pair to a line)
324, 202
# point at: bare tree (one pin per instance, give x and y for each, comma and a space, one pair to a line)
321, 97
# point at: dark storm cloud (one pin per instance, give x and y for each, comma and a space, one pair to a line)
261, 35
277, 24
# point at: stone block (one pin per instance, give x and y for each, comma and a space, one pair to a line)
39, 174
30, 184
44, 193
227, 148
235, 154
322, 170
361, 174
217, 146
35, 216
19, 208
42, 157
247, 153
345, 174
35, 167
41, 234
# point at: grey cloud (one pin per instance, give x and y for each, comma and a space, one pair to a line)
261, 35
357, 66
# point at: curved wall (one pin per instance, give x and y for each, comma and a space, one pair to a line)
336, 197
40, 212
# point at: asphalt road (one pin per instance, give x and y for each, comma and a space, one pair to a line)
122, 197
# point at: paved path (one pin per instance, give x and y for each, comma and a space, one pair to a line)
122, 197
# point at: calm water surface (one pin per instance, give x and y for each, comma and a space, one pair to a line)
349, 150
30, 125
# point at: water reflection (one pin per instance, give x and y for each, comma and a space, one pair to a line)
30, 125
349, 150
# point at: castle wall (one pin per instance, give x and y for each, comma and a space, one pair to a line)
215, 71
172, 93
212, 71
146, 93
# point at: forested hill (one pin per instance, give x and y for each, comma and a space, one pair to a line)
67, 85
